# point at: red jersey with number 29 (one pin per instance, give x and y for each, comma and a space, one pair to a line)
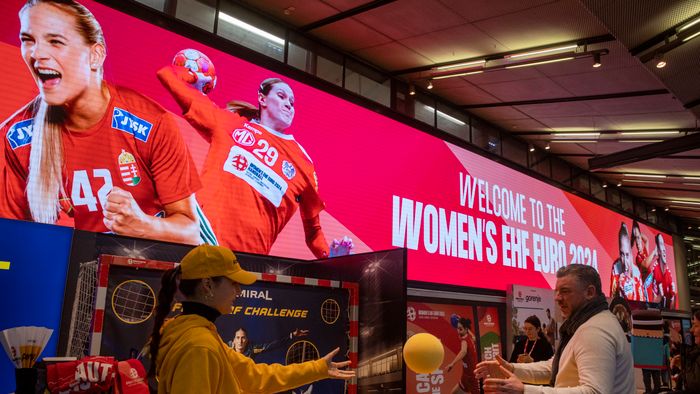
136, 146
254, 178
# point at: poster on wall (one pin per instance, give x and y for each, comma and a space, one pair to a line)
447, 322
490, 335
190, 167
528, 301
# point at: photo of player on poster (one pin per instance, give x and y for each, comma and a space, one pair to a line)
241, 344
256, 175
466, 357
107, 156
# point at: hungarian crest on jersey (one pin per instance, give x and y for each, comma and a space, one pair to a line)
128, 169
288, 169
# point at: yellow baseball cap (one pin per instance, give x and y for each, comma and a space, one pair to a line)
208, 261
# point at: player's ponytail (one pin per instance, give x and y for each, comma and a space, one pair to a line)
166, 294
45, 179
243, 108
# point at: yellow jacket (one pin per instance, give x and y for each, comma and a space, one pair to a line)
192, 358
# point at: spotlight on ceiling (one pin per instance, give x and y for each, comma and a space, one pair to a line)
547, 147
619, 184
660, 61
596, 60
411, 90
430, 85
531, 148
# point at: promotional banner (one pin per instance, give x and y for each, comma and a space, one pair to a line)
490, 335
437, 319
284, 323
532, 301
271, 167
33, 266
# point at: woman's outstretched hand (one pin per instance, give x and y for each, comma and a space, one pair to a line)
334, 369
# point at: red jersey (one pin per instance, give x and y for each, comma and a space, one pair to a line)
254, 178
651, 284
629, 286
136, 146
639, 260
468, 382
669, 289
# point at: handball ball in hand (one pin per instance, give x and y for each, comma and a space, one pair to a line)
423, 353
200, 66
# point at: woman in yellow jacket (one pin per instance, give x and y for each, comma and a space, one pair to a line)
189, 354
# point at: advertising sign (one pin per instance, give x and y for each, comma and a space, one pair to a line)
285, 174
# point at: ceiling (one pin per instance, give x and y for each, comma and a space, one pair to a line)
409, 38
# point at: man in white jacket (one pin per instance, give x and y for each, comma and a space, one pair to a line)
593, 354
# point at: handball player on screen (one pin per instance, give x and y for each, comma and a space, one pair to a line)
650, 272
109, 157
466, 356
255, 175
624, 276
662, 275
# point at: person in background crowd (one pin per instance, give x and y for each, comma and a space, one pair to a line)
108, 157
593, 354
625, 276
187, 353
534, 347
466, 357
690, 371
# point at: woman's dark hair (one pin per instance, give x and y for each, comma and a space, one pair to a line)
696, 314
466, 323
535, 321
169, 283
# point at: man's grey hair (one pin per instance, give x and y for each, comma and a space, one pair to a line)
585, 274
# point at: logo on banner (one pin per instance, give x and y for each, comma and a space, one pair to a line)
128, 169
20, 133
257, 174
239, 162
489, 321
131, 124
288, 169
243, 137
411, 313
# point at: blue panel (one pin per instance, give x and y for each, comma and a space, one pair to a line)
31, 290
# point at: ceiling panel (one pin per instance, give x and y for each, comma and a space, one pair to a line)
409, 18
342, 5
601, 81
351, 35
499, 113
475, 10
574, 108
392, 56
529, 89
633, 105
550, 23
661, 120
514, 74
466, 94
305, 11
688, 167
571, 123
459, 42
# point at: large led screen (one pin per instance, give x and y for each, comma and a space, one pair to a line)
307, 169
